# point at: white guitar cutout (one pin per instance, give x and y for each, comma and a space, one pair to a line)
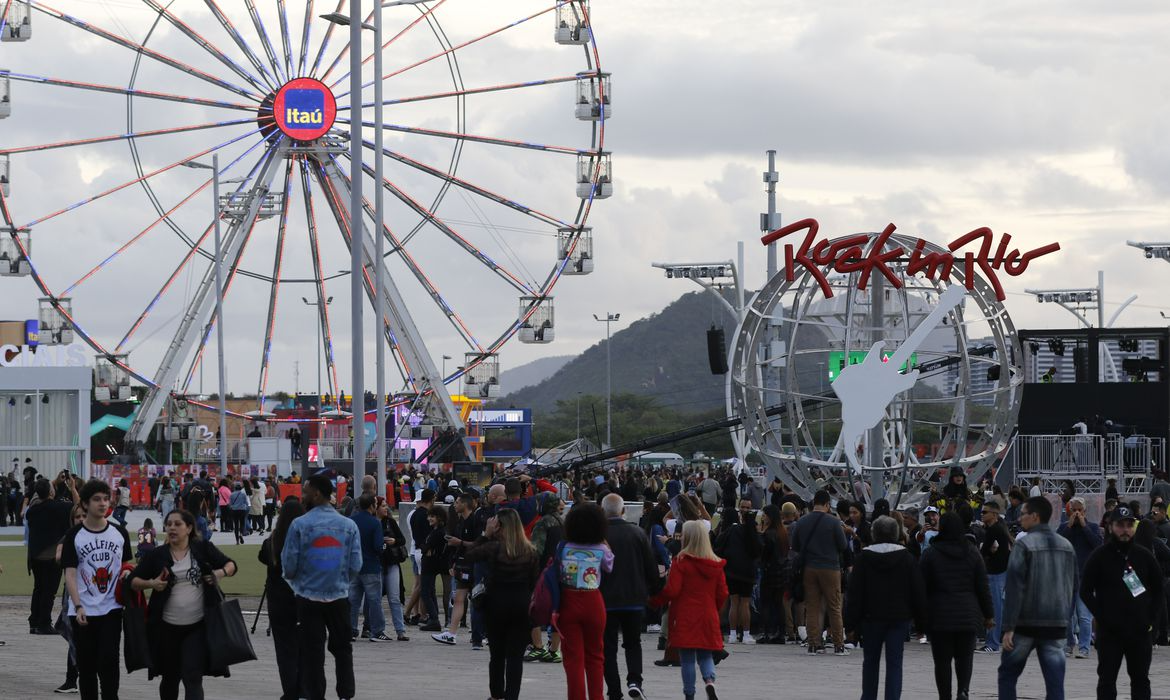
867, 388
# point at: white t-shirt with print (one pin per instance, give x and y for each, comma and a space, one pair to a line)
185, 605
98, 558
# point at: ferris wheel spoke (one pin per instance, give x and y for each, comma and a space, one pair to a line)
135, 181
491, 140
471, 187
207, 46
114, 89
398, 247
325, 41
423, 15
122, 137
457, 47
504, 274
274, 292
265, 42
469, 91
126, 43
319, 277
195, 248
135, 239
242, 44
305, 36
285, 39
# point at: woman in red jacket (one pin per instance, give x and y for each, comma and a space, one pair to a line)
696, 589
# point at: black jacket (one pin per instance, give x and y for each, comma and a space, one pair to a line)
885, 586
635, 571
1108, 598
48, 522
740, 546
996, 548
205, 556
958, 598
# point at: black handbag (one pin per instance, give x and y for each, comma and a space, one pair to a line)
228, 642
135, 645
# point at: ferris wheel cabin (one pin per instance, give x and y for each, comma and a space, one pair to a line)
5, 98
573, 23
594, 170
17, 24
482, 380
14, 247
594, 91
55, 328
580, 256
111, 382
537, 327
5, 169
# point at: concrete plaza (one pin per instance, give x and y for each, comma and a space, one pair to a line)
32, 666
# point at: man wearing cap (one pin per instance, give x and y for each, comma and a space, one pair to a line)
1122, 587
1038, 595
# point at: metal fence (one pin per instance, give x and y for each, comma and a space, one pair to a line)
1088, 461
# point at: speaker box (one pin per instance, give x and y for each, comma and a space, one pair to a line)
717, 351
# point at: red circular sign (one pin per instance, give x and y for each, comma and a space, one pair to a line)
304, 109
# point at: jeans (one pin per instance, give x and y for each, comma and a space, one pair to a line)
120, 515
1051, 657
947, 647
996, 583
182, 657
98, 659
688, 658
319, 620
392, 588
1136, 649
629, 624
875, 636
368, 586
1080, 624
46, 581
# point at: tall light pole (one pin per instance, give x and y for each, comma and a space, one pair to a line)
217, 211
319, 304
445, 358
609, 318
578, 415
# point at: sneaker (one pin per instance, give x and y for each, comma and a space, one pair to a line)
430, 627
731, 638
815, 650
747, 638
850, 645
1068, 651
635, 692
66, 687
552, 657
477, 646
380, 637
653, 629
535, 655
840, 651
711, 693
802, 633
923, 640
986, 650
402, 637
444, 638
665, 663
1081, 654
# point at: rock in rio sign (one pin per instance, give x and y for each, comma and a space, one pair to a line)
847, 255
304, 109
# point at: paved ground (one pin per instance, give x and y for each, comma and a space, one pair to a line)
31, 666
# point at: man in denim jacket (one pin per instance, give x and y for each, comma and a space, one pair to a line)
322, 555
1038, 594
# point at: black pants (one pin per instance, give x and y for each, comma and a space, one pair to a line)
1112, 646
508, 634
46, 581
269, 514
772, 602
319, 621
949, 647
98, 646
282, 619
629, 624
182, 657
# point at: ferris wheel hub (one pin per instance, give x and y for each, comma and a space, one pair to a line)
304, 109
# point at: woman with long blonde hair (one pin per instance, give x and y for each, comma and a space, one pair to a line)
696, 590
512, 572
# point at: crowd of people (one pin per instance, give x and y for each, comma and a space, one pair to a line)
715, 560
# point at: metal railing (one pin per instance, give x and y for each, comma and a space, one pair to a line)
1088, 461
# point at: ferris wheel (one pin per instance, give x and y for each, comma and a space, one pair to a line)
494, 124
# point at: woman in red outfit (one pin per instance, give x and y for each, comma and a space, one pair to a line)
581, 561
696, 590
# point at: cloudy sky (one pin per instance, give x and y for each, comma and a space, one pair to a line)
1040, 119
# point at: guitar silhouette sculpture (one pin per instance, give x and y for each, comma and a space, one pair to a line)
867, 388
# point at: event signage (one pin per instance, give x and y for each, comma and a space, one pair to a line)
847, 255
304, 109
43, 356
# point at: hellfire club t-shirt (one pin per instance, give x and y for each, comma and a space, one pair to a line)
98, 558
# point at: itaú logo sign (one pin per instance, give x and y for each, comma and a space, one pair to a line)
304, 109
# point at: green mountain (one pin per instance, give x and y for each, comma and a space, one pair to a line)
662, 357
